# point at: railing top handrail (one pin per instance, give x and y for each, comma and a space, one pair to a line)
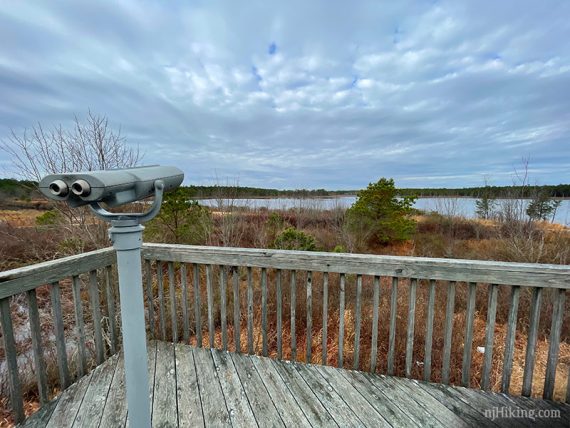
510, 273
28, 277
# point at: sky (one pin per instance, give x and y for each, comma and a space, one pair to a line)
302, 94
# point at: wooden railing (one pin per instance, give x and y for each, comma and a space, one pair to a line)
74, 331
403, 316
177, 272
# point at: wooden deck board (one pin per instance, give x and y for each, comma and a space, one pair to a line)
196, 387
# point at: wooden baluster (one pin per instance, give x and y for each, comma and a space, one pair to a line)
279, 315
293, 285
531, 341
223, 303
449, 313
489, 337
554, 343
375, 303
264, 311
411, 322
357, 322
341, 321
96, 313
237, 312
150, 299
111, 308
197, 304
468, 344
309, 332
79, 326
172, 296
392, 333
185, 313
161, 299
249, 310
510, 341
325, 316
11, 361
429, 330
210, 296
59, 332
36, 334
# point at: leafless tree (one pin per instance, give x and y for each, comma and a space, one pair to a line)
90, 144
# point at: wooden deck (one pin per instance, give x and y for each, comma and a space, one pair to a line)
203, 387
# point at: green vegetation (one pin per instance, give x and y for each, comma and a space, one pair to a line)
11, 188
542, 207
49, 218
380, 214
181, 220
293, 239
485, 206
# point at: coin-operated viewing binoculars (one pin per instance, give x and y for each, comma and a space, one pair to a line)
115, 188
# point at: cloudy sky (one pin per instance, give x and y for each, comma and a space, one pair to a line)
303, 94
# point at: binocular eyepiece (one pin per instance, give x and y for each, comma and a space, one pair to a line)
113, 187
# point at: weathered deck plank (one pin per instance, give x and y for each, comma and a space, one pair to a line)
291, 414
213, 402
189, 403
203, 387
238, 406
262, 405
91, 409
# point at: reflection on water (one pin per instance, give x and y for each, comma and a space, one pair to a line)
464, 207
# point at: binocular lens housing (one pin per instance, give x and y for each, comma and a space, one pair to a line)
81, 188
58, 188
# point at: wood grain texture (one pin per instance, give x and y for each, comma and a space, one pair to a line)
429, 330
249, 310
79, 326
59, 333
96, 316
283, 399
210, 298
223, 305
237, 309
239, 408
392, 332
468, 342
554, 343
532, 337
374, 339
448, 332
184, 301
489, 337
341, 299
411, 323
293, 304
161, 304
357, 323
149, 298
37, 348
309, 325
214, 406
537, 275
16, 402
197, 304
279, 297
115, 410
28, 277
164, 403
111, 310
69, 403
187, 391
264, 345
510, 340
172, 297
325, 320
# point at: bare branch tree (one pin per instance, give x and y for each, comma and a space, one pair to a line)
89, 145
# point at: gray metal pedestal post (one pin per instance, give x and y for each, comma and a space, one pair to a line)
126, 236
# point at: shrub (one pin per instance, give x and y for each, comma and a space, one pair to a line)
293, 239
380, 215
48, 218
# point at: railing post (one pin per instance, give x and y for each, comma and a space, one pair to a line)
126, 236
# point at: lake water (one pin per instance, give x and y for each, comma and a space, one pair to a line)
464, 207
